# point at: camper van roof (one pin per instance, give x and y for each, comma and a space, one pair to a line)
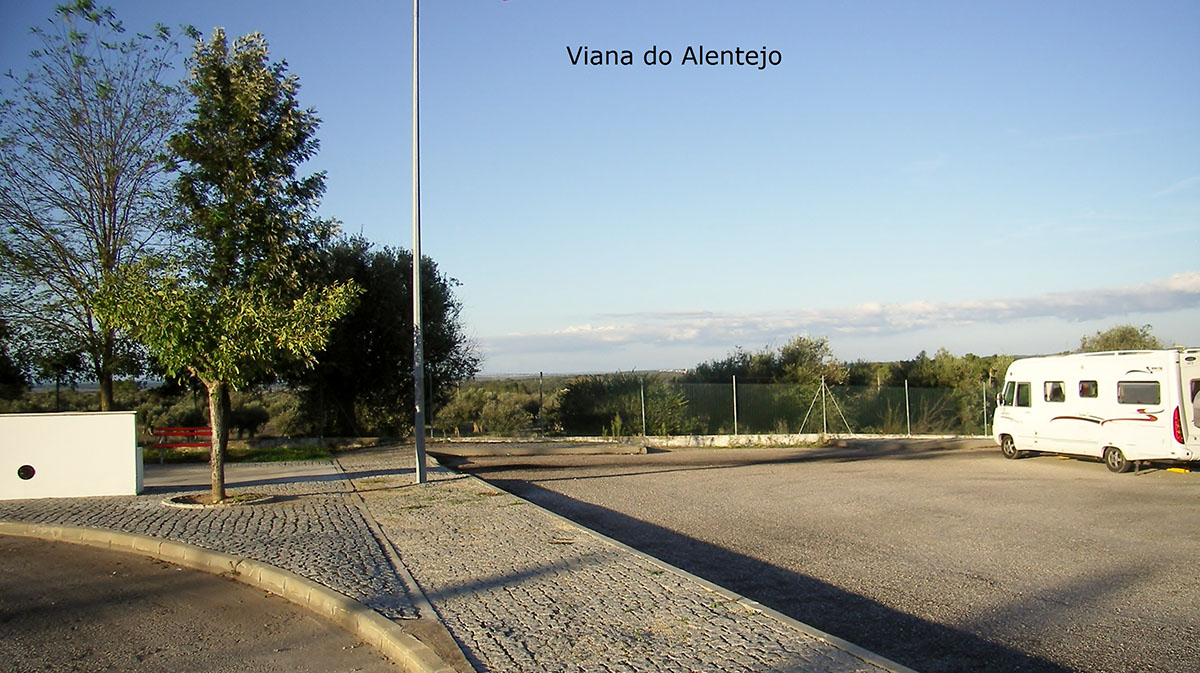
1180, 349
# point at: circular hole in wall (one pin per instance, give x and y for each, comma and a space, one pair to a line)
26, 472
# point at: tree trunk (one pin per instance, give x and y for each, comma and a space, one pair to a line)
105, 370
106, 391
218, 414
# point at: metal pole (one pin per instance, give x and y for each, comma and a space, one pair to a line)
907, 415
735, 428
642, 390
985, 408
824, 423
418, 341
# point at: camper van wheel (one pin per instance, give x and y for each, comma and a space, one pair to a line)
1009, 448
1115, 460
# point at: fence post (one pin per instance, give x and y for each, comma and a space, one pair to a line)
985, 407
429, 399
735, 428
642, 390
907, 414
824, 424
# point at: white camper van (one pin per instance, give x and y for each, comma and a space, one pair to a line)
1122, 406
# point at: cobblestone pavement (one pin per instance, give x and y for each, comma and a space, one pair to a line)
315, 529
522, 590
517, 587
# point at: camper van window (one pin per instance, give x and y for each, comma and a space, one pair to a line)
1010, 391
1054, 391
1138, 392
1089, 389
1023, 396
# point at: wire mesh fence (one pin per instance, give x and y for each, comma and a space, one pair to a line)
629, 404
756, 408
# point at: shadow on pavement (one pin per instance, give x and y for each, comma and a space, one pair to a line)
925, 646
687, 460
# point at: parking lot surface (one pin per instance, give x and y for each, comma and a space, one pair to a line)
66, 607
941, 560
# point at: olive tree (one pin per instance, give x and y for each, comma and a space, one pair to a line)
1121, 337
803, 360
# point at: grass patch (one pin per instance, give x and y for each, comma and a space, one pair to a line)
272, 454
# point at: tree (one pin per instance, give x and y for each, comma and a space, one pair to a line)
878, 374
231, 307
504, 415
465, 408
613, 404
61, 367
83, 180
810, 360
803, 360
1121, 338
363, 381
760, 366
13, 382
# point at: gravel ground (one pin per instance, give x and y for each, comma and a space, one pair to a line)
940, 560
525, 591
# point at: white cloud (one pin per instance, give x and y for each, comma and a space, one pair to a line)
1179, 186
704, 328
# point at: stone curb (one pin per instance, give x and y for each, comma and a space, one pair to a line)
827, 638
376, 630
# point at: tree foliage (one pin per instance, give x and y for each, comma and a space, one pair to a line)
223, 334
363, 382
13, 382
803, 360
83, 180
612, 404
232, 306
1121, 337
482, 411
250, 214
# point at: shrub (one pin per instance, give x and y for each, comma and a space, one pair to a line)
504, 417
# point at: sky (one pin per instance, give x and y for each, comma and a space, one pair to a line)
994, 177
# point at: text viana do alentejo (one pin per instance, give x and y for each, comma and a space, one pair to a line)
752, 58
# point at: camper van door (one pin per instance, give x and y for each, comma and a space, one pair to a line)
1015, 414
1189, 379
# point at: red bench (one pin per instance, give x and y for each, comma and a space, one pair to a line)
179, 438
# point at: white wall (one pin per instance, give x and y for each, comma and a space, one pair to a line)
72, 455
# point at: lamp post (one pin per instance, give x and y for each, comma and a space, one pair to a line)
418, 341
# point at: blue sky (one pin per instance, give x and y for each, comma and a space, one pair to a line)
999, 177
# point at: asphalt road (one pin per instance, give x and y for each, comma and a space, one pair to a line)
66, 607
942, 560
